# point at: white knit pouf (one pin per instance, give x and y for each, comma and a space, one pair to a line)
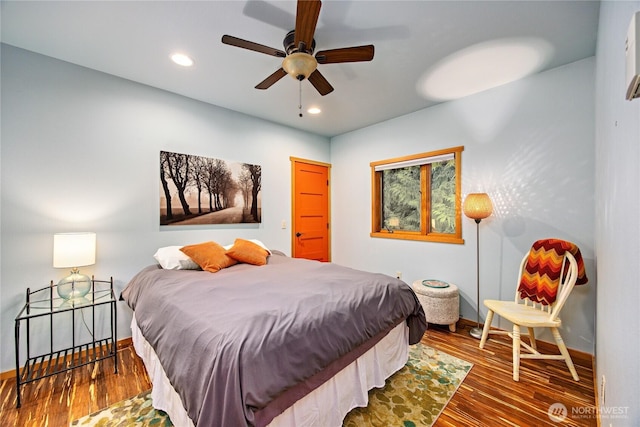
441, 305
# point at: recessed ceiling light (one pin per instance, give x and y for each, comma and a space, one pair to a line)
182, 59
314, 110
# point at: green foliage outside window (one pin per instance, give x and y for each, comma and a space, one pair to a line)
401, 198
443, 197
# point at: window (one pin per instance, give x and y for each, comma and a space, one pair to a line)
418, 197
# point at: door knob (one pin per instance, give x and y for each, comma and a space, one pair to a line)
298, 234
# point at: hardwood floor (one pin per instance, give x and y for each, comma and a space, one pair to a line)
487, 397
58, 400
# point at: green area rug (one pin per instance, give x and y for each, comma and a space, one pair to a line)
414, 396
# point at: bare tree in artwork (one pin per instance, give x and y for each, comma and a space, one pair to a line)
255, 172
179, 166
208, 180
244, 180
228, 189
220, 184
164, 171
221, 174
199, 176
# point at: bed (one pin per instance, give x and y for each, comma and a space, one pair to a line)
291, 342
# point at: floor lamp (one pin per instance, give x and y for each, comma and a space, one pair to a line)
477, 206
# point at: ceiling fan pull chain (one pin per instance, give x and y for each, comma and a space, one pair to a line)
300, 98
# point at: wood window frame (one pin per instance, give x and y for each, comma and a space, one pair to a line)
424, 234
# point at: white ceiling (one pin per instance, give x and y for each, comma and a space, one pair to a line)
133, 40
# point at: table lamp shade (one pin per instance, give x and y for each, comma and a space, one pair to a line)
477, 206
73, 250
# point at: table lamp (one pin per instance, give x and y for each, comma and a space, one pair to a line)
73, 250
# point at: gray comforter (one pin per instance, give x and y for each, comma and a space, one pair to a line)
232, 341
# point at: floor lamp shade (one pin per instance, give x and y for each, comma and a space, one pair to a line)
73, 250
477, 206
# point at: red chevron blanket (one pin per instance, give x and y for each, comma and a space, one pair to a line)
541, 275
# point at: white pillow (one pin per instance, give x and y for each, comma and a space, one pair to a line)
171, 258
256, 241
259, 243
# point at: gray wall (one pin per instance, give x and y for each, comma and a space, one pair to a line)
80, 152
530, 145
617, 221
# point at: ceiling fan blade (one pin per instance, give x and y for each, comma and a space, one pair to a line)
320, 83
306, 19
234, 41
345, 54
269, 81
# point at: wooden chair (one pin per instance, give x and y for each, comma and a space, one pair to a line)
528, 312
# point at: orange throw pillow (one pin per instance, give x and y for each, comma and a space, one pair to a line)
248, 252
210, 256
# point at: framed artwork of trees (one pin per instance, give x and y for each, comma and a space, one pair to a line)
204, 190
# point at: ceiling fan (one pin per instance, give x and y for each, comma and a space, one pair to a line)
299, 45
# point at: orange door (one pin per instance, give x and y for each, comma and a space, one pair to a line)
310, 216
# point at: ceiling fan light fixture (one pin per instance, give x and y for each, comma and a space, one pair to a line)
299, 65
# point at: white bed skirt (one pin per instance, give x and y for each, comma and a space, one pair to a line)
325, 406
